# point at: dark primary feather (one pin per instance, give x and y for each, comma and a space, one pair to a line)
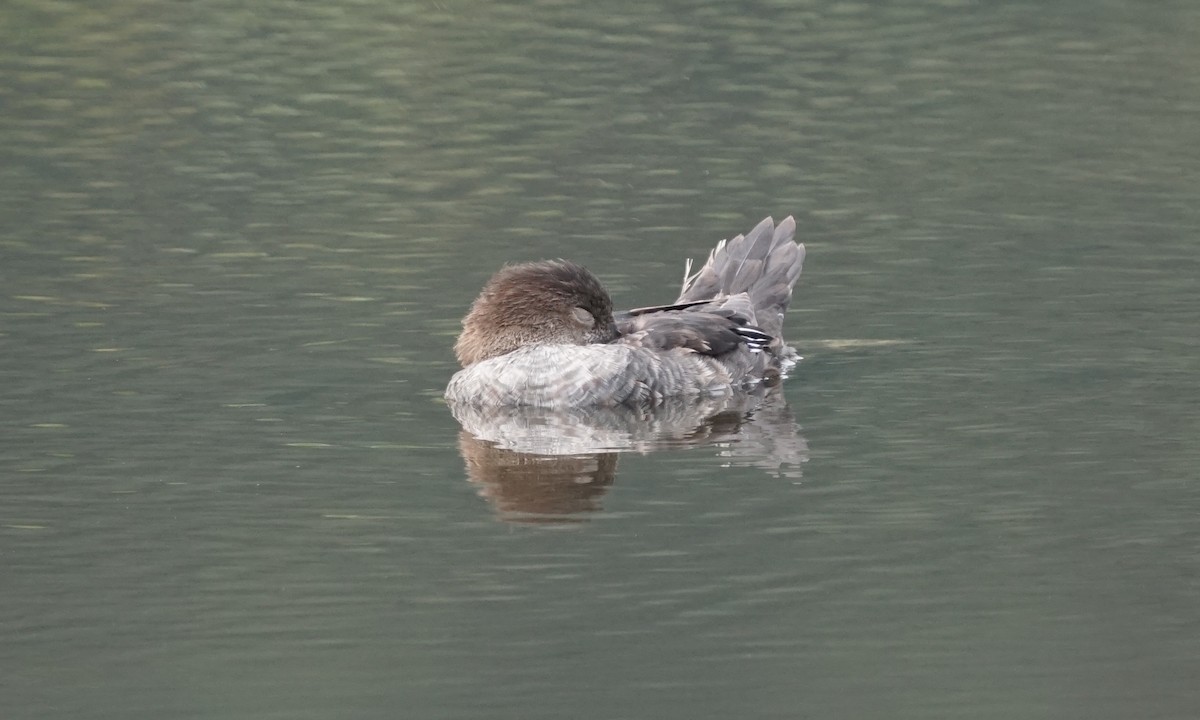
663, 308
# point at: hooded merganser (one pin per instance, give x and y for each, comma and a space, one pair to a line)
544, 334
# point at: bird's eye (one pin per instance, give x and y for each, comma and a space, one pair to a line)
583, 317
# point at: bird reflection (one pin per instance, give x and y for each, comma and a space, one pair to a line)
538, 465
526, 487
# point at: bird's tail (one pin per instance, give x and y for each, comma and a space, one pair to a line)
764, 264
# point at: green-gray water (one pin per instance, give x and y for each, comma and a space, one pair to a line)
236, 240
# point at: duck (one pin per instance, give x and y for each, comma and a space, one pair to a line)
544, 334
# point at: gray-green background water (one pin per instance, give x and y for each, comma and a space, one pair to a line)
236, 240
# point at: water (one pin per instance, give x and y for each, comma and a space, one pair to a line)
235, 243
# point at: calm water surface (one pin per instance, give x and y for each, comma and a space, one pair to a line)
235, 242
